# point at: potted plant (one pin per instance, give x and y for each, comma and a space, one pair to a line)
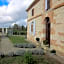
53, 52
45, 42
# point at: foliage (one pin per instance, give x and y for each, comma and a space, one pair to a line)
0, 38
38, 59
10, 54
36, 51
15, 27
25, 45
28, 59
20, 53
19, 30
23, 28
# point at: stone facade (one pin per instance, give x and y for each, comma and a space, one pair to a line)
56, 16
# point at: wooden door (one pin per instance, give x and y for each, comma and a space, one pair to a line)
48, 31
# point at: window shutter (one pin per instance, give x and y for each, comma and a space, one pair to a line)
34, 28
30, 28
48, 4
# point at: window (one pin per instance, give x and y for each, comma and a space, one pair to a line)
32, 12
32, 27
47, 4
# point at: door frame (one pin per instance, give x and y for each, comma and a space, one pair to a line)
47, 21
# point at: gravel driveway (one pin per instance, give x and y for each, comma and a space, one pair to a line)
6, 45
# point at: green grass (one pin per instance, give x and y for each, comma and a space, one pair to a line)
20, 60
17, 39
0, 38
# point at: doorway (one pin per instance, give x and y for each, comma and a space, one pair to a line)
48, 30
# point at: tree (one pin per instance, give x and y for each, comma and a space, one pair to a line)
26, 28
15, 27
23, 28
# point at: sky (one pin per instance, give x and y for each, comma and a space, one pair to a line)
13, 11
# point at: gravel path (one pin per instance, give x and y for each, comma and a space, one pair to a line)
6, 45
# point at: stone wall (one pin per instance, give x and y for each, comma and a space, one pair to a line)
38, 8
56, 2
38, 29
57, 24
57, 39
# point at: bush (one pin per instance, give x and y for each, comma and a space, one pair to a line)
25, 45
36, 51
10, 54
19, 32
18, 45
31, 46
45, 42
28, 59
20, 53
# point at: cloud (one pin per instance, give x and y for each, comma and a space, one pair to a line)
20, 22
14, 12
5, 19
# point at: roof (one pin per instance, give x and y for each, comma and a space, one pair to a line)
32, 4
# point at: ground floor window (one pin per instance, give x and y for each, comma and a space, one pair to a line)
32, 27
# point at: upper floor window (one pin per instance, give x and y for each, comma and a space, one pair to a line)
32, 12
47, 4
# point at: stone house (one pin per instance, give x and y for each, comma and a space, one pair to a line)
46, 22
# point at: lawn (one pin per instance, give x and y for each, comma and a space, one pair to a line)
0, 38
37, 60
17, 39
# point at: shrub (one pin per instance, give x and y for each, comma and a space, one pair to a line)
18, 45
10, 54
36, 51
25, 45
45, 42
31, 46
28, 59
20, 53
29, 51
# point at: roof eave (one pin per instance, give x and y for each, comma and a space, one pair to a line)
33, 3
